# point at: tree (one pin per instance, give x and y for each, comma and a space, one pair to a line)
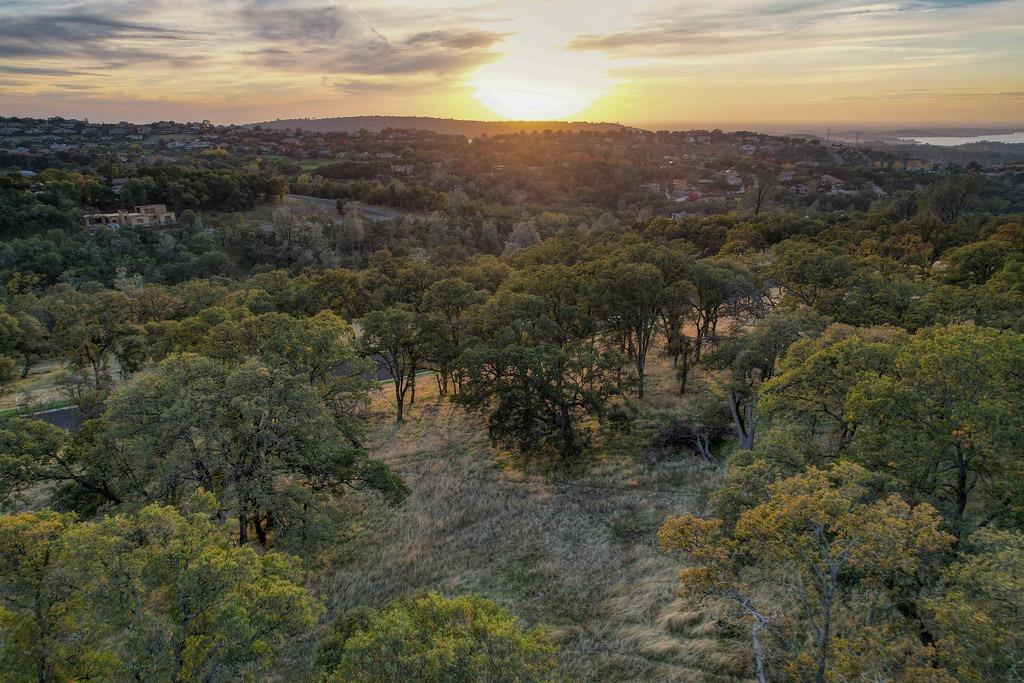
320, 349
432, 638
396, 338
808, 272
946, 421
258, 438
7, 372
950, 196
978, 610
809, 389
33, 453
631, 295
30, 601
90, 327
720, 287
823, 557
25, 335
761, 191
152, 596
537, 397
750, 357
448, 300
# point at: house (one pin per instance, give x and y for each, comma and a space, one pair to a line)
800, 189
157, 214
145, 216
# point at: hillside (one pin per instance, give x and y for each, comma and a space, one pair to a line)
576, 554
343, 124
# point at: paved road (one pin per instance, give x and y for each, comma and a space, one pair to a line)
69, 419
378, 213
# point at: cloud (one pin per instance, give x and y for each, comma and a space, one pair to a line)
41, 71
465, 40
90, 38
371, 54
437, 52
276, 23
792, 25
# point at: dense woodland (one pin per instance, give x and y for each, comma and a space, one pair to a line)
845, 390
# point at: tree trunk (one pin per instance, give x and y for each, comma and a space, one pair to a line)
570, 447
640, 363
744, 431
755, 636
261, 531
243, 527
826, 628
399, 397
961, 490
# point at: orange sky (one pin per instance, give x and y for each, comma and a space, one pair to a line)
728, 63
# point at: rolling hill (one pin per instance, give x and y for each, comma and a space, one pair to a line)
438, 125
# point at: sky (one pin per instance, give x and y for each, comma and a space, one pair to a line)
653, 63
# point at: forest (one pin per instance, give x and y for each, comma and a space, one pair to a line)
536, 433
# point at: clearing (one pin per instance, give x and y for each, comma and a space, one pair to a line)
575, 553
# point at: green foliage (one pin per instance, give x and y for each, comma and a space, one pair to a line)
398, 337
537, 397
150, 596
946, 421
467, 639
824, 558
257, 437
978, 611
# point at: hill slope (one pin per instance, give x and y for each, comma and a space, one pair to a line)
340, 124
577, 554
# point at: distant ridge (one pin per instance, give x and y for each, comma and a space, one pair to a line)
341, 124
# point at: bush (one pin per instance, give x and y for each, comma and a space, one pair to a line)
467, 639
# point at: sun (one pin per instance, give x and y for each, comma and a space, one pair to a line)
523, 89
531, 100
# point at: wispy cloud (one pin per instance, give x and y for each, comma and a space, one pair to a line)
229, 57
794, 25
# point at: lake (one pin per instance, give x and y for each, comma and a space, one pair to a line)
954, 141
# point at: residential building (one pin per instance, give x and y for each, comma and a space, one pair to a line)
145, 216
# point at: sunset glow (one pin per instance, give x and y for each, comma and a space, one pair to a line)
644, 63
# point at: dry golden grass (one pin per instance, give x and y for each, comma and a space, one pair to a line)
577, 554
39, 386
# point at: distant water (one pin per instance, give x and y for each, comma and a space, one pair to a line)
954, 141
